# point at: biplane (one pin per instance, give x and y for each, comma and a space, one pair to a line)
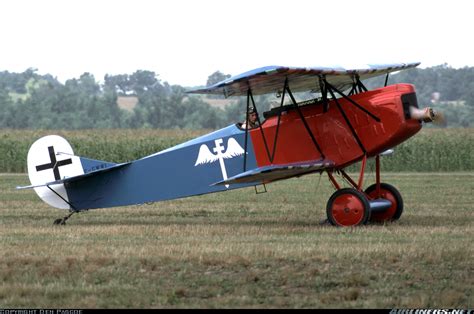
345, 123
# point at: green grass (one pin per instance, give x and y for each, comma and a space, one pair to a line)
240, 250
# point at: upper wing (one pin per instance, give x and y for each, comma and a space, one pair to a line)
271, 79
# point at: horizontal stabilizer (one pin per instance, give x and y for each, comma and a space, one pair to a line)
75, 178
271, 173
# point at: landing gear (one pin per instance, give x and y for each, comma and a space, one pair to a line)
348, 207
390, 193
62, 221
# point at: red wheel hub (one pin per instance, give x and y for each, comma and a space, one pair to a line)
347, 210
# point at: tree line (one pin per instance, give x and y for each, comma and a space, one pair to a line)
32, 101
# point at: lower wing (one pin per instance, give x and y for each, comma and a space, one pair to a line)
272, 173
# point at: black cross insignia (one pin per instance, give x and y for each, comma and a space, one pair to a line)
54, 164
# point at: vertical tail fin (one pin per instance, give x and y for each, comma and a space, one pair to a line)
50, 159
52, 166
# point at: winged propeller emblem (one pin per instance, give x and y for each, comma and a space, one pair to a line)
206, 156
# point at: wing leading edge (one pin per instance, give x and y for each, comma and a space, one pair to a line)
272, 173
271, 79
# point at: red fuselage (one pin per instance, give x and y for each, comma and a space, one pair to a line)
334, 135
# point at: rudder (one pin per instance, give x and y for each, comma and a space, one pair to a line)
50, 159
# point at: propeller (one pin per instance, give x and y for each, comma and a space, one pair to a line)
428, 115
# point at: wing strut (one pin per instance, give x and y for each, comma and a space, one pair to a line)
250, 97
361, 86
278, 121
332, 88
259, 124
324, 93
246, 129
271, 157
295, 105
347, 121
357, 86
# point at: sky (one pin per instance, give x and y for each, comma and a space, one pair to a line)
184, 41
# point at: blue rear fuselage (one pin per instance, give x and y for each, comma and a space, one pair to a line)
169, 174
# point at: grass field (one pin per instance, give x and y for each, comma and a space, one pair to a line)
241, 250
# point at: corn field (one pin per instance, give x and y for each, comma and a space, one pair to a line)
431, 150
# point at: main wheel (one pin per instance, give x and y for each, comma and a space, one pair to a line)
390, 193
348, 207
